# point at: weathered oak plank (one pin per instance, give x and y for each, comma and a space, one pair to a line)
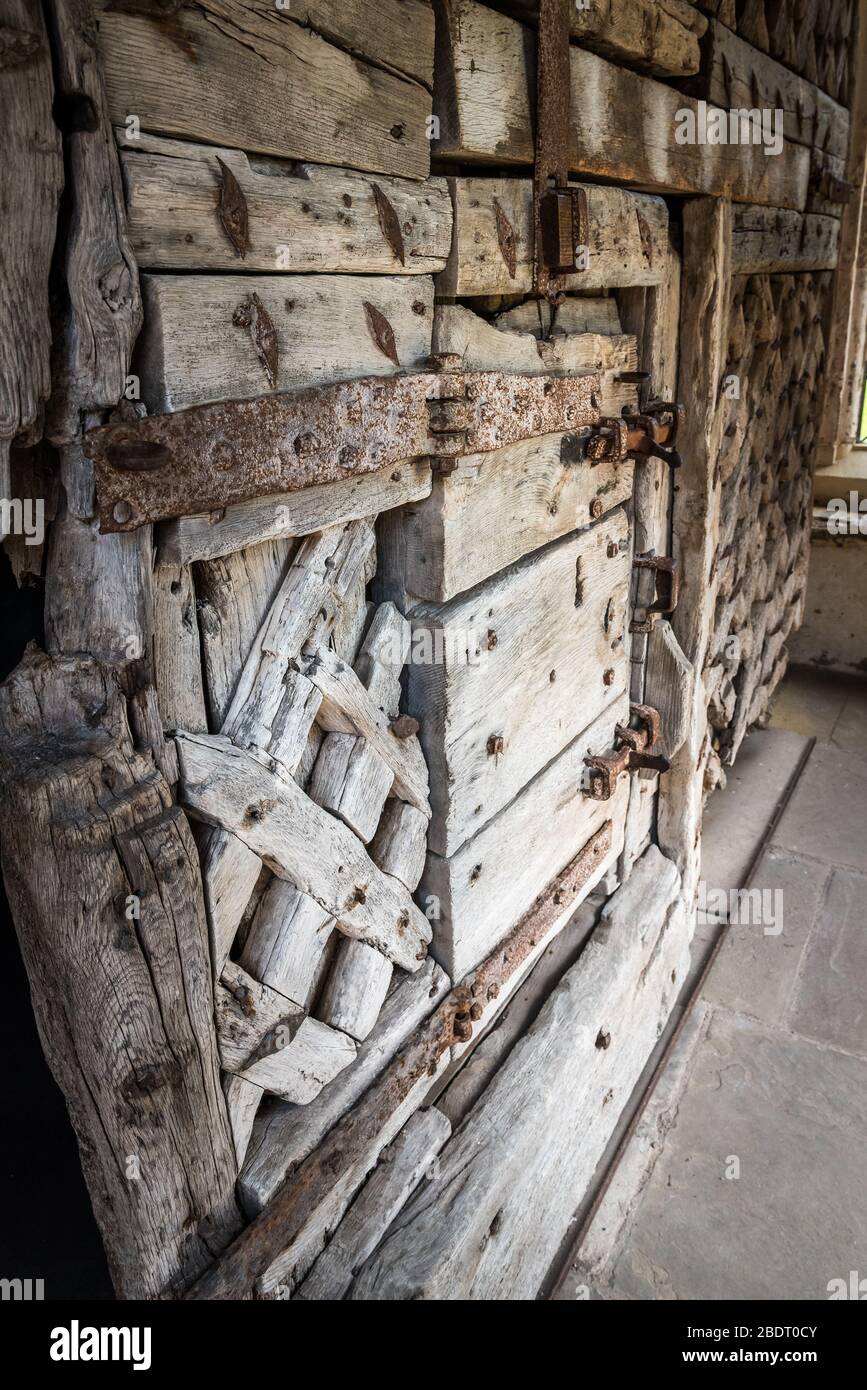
735, 75
272, 1042
402, 1166
113, 933
497, 671
103, 314
221, 73
494, 1174
654, 36
624, 125
192, 350
32, 180
291, 514
628, 238
288, 1134
769, 241
487, 885
301, 217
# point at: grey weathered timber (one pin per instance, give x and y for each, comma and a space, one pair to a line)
509, 1178
704, 327
286, 945
234, 594
193, 350
273, 706
624, 125
737, 75
272, 1042
496, 671
768, 241
486, 885
348, 708
628, 236
232, 789
301, 217
113, 915
104, 313
32, 179
287, 1134
655, 36
300, 513
355, 989
402, 1166
177, 656
175, 78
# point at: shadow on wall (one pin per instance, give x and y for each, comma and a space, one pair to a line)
48, 1230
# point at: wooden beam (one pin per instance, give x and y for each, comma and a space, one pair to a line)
103, 314
654, 36
221, 73
288, 1134
193, 349
561, 1082
301, 513
704, 337
300, 217
33, 178
735, 75
233, 790
774, 241
624, 126
347, 708
272, 1042
492, 717
628, 238
120, 978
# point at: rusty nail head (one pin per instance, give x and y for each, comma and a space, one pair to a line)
613, 549
596, 507
608, 676
496, 744
603, 1038
492, 639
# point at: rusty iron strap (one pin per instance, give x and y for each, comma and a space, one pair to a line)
560, 212
211, 456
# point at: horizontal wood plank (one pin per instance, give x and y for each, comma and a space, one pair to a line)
301, 217
624, 126
735, 75
769, 241
506, 676
628, 238
290, 514
192, 350
225, 73
485, 887
654, 36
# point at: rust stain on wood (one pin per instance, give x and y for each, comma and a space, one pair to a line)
389, 223
232, 210
381, 332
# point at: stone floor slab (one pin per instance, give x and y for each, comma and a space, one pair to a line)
825, 818
830, 1001
756, 969
794, 1114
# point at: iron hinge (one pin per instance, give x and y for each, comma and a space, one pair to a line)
633, 743
560, 211
666, 578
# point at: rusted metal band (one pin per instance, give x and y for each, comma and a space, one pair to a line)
559, 212
212, 456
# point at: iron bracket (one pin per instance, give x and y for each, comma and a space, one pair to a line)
632, 747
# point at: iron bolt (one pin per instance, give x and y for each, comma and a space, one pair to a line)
596, 507
608, 676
